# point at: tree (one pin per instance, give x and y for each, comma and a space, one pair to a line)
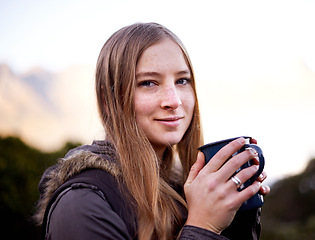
21, 167
289, 210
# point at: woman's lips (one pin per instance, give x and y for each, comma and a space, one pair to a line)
170, 121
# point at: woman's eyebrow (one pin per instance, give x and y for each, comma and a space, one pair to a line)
156, 74
184, 72
147, 74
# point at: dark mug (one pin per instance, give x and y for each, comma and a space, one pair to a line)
209, 150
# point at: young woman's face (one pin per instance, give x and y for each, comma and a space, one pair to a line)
164, 98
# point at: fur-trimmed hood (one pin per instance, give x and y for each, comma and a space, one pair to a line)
100, 155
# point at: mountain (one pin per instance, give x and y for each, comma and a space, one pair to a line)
40, 81
47, 109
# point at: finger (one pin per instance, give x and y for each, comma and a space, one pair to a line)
248, 192
195, 169
256, 159
237, 161
253, 140
262, 176
242, 176
224, 154
264, 190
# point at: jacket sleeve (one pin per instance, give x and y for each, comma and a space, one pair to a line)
195, 233
246, 225
84, 213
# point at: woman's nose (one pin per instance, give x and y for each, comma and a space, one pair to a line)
170, 99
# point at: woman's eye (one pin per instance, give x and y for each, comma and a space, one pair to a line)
183, 81
146, 83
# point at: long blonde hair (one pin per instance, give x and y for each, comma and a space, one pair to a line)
145, 176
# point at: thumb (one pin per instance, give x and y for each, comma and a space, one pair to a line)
195, 169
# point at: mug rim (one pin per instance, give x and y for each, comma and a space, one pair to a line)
222, 141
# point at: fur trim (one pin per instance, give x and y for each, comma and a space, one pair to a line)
67, 168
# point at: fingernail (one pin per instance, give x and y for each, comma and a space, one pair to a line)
264, 188
257, 158
252, 150
241, 140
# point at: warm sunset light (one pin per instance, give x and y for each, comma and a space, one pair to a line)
254, 62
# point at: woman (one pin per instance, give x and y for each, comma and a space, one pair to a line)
139, 190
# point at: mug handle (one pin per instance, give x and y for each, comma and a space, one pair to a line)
261, 160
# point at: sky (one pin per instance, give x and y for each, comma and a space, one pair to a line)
254, 60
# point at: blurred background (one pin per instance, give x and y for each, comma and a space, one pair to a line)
254, 63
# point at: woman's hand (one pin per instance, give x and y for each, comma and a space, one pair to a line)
211, 196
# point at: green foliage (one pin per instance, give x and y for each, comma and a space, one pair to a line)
289, 210
21, 168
